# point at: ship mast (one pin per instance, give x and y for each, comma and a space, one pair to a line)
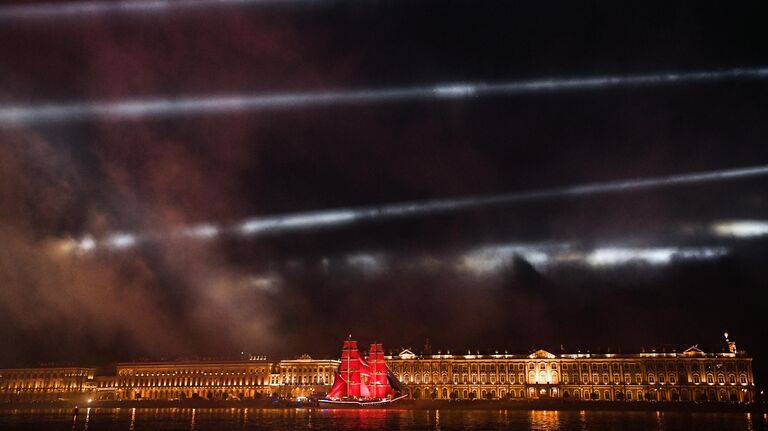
348, 355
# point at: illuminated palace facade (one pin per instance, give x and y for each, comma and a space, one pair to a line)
692, 375
44, 384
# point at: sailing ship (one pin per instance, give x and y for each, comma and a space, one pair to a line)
363, 383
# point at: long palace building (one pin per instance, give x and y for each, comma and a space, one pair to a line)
690, 375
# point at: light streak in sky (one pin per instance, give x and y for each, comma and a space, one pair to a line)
312, 220
741, 228
297, 221
78, 9
494, 258
610, 256
202, 231
121, 240
166, 107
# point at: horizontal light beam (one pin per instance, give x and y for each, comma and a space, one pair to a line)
495, 258
165, 107
77, 9
313, 220
741, 228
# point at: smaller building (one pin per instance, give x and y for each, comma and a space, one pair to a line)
304, 376
45, 384
213, 380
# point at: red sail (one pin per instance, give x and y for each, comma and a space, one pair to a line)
339, 387
365, 369
350, 368
378, 383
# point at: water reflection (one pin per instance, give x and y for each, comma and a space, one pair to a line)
240, 419
545, 420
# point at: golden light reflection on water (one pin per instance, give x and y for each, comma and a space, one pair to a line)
544, 420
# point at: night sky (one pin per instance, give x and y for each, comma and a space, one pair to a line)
447, 277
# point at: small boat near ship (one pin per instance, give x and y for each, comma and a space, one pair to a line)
363, 383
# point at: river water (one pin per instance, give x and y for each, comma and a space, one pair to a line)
224, 419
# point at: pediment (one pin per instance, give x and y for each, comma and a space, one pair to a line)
406, 354
542, 354
693, 351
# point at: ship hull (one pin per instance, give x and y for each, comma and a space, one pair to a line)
357, 404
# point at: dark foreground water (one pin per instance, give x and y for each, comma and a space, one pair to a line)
321, 419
